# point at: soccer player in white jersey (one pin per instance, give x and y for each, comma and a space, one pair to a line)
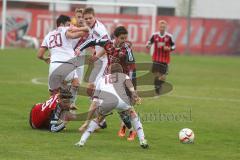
97, 31
110, 94
78, 21
60, 44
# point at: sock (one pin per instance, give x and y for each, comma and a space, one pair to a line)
156, 84
92, 127
74, 91
137, 125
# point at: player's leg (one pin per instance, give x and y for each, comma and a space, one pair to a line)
126, 123
98, 71
93, 125
54, 79
74, 91
137, 125
160, 71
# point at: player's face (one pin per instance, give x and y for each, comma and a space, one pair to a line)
80, 20
67, 24
162, 27
89, 19
121, 39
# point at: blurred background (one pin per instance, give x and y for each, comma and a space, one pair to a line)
202, 27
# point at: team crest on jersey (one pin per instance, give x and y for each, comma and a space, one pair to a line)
17, 25
166, 39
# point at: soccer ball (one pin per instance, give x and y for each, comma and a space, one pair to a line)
186, 136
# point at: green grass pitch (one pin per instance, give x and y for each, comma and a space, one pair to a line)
206, 96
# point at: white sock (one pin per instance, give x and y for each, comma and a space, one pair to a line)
137, 125
91, 127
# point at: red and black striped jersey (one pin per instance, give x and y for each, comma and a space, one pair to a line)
159, 42
122, 55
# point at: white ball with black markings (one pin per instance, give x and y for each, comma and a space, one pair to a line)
186, 136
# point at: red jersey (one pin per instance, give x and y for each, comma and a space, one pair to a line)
41, 112
159, 41
122, 55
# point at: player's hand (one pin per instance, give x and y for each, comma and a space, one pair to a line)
47, 60
166, 48
136, 99
148, 46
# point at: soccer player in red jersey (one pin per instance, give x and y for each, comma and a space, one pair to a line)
120, 52
52, 114
163, 45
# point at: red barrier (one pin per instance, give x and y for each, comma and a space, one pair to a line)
208, 36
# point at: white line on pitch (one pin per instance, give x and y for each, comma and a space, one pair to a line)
36, 81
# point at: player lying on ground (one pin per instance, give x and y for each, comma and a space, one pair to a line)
110, 94
60, 44
163, 46
53, 114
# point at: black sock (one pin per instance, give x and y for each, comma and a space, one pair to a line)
158, 85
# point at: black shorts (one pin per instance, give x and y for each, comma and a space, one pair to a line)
159, 67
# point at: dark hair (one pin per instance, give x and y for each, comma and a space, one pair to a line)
65, 94
120, 30
116, 68
62, 19
89, 10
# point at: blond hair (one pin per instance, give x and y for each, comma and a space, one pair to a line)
79, 10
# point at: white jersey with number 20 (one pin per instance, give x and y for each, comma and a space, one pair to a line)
60, 47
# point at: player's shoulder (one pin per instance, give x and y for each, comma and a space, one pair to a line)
168, 34
100, 29
62, 29
128, 45
155, 33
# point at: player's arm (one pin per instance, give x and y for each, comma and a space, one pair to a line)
41, 55
134, 96
76, 32
172, 44
150, 42
56, 125
92, 108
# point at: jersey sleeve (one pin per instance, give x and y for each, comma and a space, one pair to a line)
172, 43
129, 55
101, 32
151, 39
56, 125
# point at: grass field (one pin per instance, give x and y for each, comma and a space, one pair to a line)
206, 93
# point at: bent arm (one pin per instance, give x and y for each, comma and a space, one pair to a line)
41, 53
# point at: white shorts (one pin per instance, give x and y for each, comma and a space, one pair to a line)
59, 72
104, 107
